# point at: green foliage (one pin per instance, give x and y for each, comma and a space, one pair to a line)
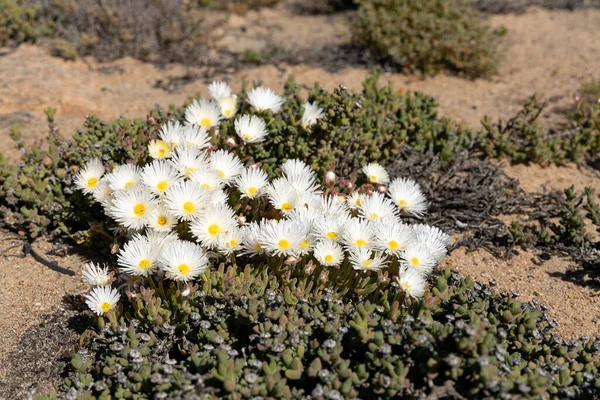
428, 35
19, 24
247, 334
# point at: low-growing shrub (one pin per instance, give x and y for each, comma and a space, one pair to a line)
428, 35
19, 24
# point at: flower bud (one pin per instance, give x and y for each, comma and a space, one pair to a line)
330, 177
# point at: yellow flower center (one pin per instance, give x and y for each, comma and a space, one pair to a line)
206, 186
304, 244
233, 243
406, 286
214, 229
189, 171
162, 186
189, 207
227, 113
161, 152
360, 242
252, 191
373, 216
332, 235
373, 178
162, 220
221, 173
92, 182
284, 244
367, 263
105, 307
139, 209
145, 264
129, 183
246, 136
414, 261
358, 203
183, 269
393, 245
257, 246
328, 258
286, 206
205, 122
401, 203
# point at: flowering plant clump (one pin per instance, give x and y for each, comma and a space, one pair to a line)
192, 205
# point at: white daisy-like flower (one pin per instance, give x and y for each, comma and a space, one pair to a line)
161, 220
412, 283
171, 133
231, 241
132, 208
186, 160
281, 195
376, 173
204, 113
265, 99
251, 129
377, 207
423, 232
158, 176
217, 197
219, 89
159, 149
280, 238
102, 299
251, 182
302, 177
312, 113
229, 106
124, 177
329, 229
208, 179
96, 275
357, 234
103, 194
89, 177
195, 136
227, 164
186, 200
418, 257
158, 240
355, 200
212, 224
138, 257
329, 254
407, 195
392, 237
252, 235
365, 259
183, 261
333, 206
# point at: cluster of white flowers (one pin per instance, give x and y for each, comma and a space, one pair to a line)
187, 186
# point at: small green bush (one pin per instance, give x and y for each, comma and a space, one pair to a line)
18, 24
428, 35
245, 333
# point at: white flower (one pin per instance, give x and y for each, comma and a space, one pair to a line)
229, 106
412, 283
195, 136
208, 179
265, 99
281, 195
329, 253
252, 235
329, 229
376, 173
88, 178
132, 208
251, 182
418, 257
96, 275
280, 238
392, 237
186, 200
228, 165
357, 234
407, 195
251, 129
332, 206
103, 193
213, 223
377, 207
355, 200
187, 161
425, 232
312, 113
204, 113
159, 149
171, 133
219, 89
365, 259
182, 260
302, 177
124, 177
158, 240
138, 257
231, 241
158, 176
217, 197
102, 299
161, 220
